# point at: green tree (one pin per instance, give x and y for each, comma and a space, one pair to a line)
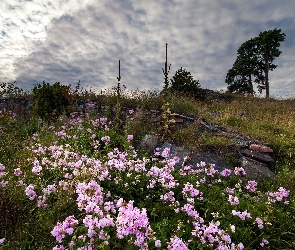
254, 61
183, 81
268, 44
244, 71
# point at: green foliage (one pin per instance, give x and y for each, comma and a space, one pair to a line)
49, 102
10, 90
254, 62
184, 82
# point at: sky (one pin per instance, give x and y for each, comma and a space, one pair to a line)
70, 40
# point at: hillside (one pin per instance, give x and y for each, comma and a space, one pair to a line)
101, 172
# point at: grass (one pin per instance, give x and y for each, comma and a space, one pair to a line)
81, 158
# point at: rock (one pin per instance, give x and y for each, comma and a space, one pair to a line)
204, 126
256, 170
261, 148
148, 143
256, 155
187, 157
208, 158
180, 152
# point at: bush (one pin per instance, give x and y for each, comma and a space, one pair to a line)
49, 102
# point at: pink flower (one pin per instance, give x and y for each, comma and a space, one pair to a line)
133, 221
239, 171
2, 167
3, 183
279, 195
225, 173
233, 200
242, 215
264, 242
259, 223
129, 138
37, 168
166, 153
30, 192
106, 139
230, 190
251, 186
66, 227
157, 243
17, 172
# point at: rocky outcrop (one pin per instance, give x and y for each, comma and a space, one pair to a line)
254, 157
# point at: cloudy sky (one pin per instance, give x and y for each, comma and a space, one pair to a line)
72, 40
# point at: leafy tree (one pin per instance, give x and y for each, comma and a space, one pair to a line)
254, 61
183, 81
240, 76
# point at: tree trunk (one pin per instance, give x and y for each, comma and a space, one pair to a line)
266, 69
250, 86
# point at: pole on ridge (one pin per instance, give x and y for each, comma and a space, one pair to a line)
166, 70
118, 86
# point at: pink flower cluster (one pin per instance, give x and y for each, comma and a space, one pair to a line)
242, 215
233, 200
30, 192
189, 191
3, 183
65, 228
278, 196
163, 176
96, 226
251, 186
225, 172
239, 171
259, 223
133, 221
94, 201
176, 244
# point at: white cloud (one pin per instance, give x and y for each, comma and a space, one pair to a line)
23, 22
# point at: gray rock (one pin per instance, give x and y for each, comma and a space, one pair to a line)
188, 158
148, 143
175, 151
256, 170
208, 158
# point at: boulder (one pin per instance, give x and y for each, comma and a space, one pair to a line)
256, 170
176, 151
148, 143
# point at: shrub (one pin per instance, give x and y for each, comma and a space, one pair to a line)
49, 102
